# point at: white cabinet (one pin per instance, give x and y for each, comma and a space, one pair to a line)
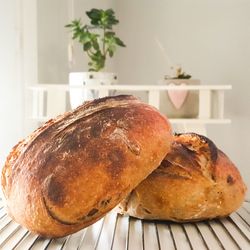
49, 100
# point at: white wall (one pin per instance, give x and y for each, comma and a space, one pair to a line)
11, 87
211, 39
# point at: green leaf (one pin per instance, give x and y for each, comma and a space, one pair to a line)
111, 53
110, 12
70, 25
84, 37
75, 35
111, 20
94, 14
96, 45
76, 22
119, 42
86, 46
109, 34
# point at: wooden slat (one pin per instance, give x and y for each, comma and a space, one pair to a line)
235, 233
165, 237
106, 238
247, 206
40, 243
15, 239
9, 230
4, 221
180, 239
208, 236
121, 233
27, 241
135, 234
194, 237
241, 224
2, 212
244, 215
226, 240
150, 237
73, 241
56, 244
92, 236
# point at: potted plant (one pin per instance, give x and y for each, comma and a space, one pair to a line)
180, 103
99, 42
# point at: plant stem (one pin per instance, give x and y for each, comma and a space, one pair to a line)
104, 52
90, 54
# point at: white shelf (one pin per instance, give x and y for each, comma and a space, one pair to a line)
211, 101
200, 121
66, 87
172, 120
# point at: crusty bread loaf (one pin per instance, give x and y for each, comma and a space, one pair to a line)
195, 181
74, 169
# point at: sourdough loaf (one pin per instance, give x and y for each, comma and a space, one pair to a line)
75, 168
195, 181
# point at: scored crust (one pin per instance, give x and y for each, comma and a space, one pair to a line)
75, 168
195, 181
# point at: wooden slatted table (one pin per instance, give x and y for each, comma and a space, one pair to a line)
122, 232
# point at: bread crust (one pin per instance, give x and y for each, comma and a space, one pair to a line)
195, 181
75, 168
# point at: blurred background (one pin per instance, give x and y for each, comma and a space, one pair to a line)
209, 38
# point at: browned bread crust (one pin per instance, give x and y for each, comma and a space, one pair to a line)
195, 181
74, 169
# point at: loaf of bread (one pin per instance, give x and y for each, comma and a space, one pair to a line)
195, 181
75, 168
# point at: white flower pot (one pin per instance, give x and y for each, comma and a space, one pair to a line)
78, 79
180, 103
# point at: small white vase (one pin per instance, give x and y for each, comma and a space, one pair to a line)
180, 103
78, 79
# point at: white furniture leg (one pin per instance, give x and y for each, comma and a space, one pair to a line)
205, 103
56, 101
154, 98
38, 103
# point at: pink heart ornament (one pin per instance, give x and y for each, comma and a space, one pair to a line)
177, 97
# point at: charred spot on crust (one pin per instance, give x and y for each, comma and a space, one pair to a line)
92, 212
230, 180
96, 130
185, 151
115, 98
71, 145
117, 162
94, 155
212, 147
70, 141
54, 191
165, 164
116, 155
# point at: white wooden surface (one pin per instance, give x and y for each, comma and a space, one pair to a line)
121, 232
